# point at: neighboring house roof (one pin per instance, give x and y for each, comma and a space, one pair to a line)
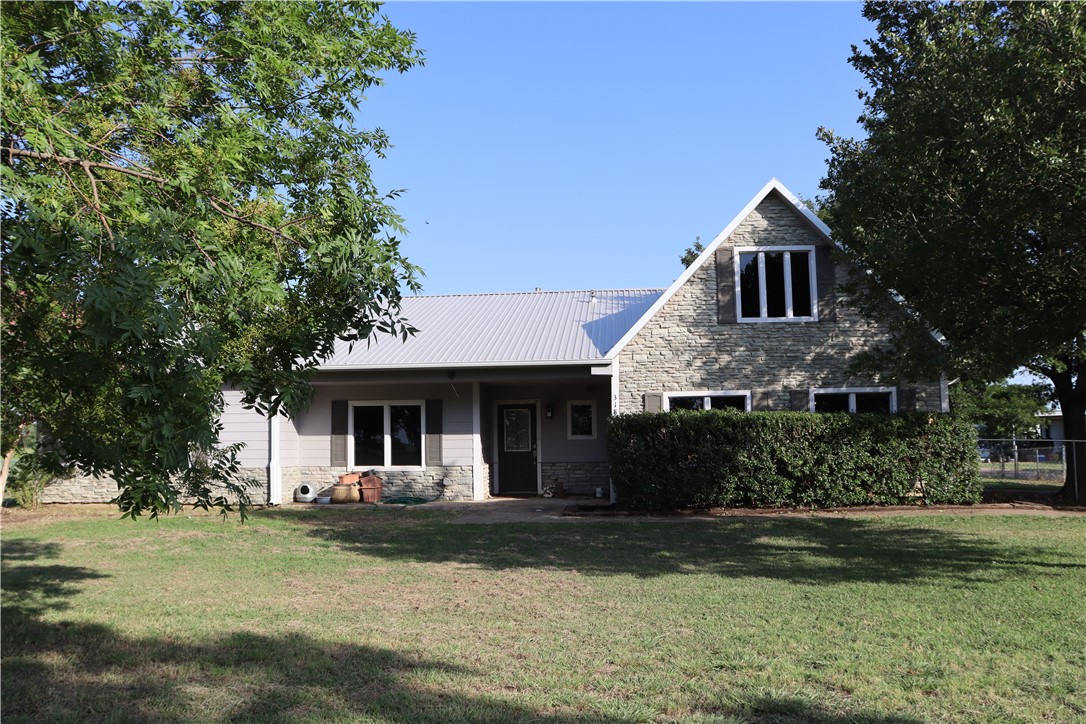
521, 328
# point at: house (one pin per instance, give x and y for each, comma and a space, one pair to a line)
503, 394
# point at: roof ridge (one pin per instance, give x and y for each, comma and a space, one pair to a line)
549, 291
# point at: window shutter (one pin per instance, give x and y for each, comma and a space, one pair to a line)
654, 402
827, 279
906, 399
801, 400
725, 286
760, 400
433, 433
339, 434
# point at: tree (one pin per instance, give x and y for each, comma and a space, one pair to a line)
691, 253
1001, 410
966, 198
186, 204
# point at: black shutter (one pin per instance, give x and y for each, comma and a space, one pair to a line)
827, 279
906, 399
654, 402
433, 433
339, 433
801, 400
760, 400
725, 286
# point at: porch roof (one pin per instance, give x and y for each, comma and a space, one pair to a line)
503, 329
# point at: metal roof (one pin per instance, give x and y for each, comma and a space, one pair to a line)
519, 328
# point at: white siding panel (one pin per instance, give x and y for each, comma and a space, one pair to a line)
245, 426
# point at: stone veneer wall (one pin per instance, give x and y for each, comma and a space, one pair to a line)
418, 483
91, 489
578, 478
684, 347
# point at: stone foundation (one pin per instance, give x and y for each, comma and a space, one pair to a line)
397, 483
578, 478
91, 489
80, 489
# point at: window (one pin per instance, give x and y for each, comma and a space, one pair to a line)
860, 399
386, 435
776, 283
581, 420
734, 400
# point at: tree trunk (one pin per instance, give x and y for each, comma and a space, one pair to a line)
4, 471
1070, 386
1074, 435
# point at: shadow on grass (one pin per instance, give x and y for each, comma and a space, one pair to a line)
815, 551
62, 671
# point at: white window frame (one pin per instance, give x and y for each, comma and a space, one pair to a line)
569, 420
763, 305
386, 404
851, 392
706, 394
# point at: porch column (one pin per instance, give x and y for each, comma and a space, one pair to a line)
275, 469
478, 479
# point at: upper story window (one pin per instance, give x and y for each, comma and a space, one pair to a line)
776, 283
858, 399
385, 435
735, 400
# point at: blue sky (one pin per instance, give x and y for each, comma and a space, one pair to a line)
584, 145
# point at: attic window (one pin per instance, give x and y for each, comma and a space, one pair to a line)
776, 283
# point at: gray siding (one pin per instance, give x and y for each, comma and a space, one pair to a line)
314, 425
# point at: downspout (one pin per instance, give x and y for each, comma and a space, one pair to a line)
275, 470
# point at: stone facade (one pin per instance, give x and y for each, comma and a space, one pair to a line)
416, 483
684, 347
91, 489
578, 478
80, 489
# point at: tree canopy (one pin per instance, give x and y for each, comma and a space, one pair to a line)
967, 197
187, 204
1001, 410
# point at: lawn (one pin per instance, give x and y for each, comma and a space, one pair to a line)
356, 615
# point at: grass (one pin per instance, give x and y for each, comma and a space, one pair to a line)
355, 615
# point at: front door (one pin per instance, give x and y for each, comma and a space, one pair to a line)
516, 450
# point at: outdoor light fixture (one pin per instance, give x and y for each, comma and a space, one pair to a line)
548, 410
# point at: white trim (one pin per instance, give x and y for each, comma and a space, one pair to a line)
745, 394
710, 251
601, 362
851, 392
569, 419
478, 481
275, 468
387, 452
616, 391
763, 300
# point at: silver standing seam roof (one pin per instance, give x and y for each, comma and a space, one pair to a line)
516, 328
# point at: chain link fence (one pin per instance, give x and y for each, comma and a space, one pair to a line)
1029, 461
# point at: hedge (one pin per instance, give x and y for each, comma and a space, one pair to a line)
722, 458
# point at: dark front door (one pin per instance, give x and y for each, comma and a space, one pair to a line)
516, 449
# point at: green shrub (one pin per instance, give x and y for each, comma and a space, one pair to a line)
722, 458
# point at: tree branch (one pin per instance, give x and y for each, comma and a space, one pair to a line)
13, 152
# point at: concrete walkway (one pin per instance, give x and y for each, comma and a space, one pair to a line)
512, 510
